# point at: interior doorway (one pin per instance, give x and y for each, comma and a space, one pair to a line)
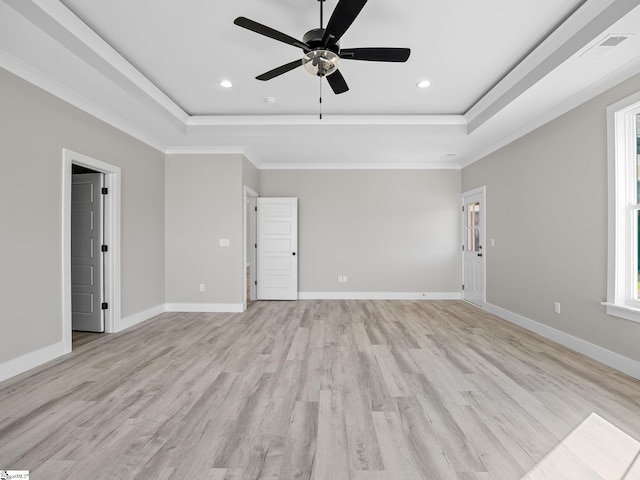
473, 246
111, 239
88, 250
250, 245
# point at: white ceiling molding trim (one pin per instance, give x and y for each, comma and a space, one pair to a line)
587, 23
62, 25
244, 151
205, 150
363, 166
29, 74
49, 44
620, 75
200, 121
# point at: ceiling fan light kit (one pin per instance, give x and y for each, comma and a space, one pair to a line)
321, 47
321, 62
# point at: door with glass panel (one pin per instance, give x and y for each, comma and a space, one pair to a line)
473, 254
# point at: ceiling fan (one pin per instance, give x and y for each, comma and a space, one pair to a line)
321, 46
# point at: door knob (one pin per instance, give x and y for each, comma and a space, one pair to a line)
294, 254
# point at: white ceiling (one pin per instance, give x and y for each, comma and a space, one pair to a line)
498, 68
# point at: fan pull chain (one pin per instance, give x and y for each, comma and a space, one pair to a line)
321, 97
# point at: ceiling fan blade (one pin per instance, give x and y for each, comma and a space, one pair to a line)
376, 54
279, 70
341, 19
270, 32
337, 82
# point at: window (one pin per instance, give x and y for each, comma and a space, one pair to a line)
623, 292
473, 227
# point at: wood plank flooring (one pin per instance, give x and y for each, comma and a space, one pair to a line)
323, 390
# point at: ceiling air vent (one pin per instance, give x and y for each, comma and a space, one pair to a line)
613, 41
604, 46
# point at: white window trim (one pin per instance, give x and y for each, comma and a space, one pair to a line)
622, 251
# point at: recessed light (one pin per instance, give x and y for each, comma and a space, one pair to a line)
226, 84
423, 84
270, 100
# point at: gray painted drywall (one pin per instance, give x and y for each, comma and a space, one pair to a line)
547, 210
34, 128
250, 175
387, 231
204, 203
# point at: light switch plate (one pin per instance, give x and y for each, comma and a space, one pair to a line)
224, 242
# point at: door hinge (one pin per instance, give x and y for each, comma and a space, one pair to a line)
463, 208
255, 245
105, 305
104, 248
256, 208
463, 248
463, 288
105, 191
255, 283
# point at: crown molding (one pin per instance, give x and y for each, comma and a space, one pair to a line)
362, 166
206, 150
202, 121
585, 24
248, 154
618, 76
52, 17
35, 77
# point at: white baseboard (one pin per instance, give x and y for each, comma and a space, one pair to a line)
206, 307
19, 365
602, 355
379, 296
136, 318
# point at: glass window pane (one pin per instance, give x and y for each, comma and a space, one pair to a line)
473, 227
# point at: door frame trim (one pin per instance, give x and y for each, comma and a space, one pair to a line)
482, 190
112, 219
248, 193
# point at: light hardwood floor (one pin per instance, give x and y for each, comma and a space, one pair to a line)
331, 390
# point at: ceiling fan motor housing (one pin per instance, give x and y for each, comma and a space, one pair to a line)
321, 60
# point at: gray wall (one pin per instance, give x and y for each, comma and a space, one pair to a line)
34, 128
387, 231
547, 210
250, 175
204, 203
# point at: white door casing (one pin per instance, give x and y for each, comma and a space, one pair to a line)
250, 240
277, 249
112, 216
473, 246
87, 214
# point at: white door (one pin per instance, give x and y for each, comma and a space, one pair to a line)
473, 252
86, 253
277, 249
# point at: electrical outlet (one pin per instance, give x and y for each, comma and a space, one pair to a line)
556, 307
202, 287
340, 279
344, 279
